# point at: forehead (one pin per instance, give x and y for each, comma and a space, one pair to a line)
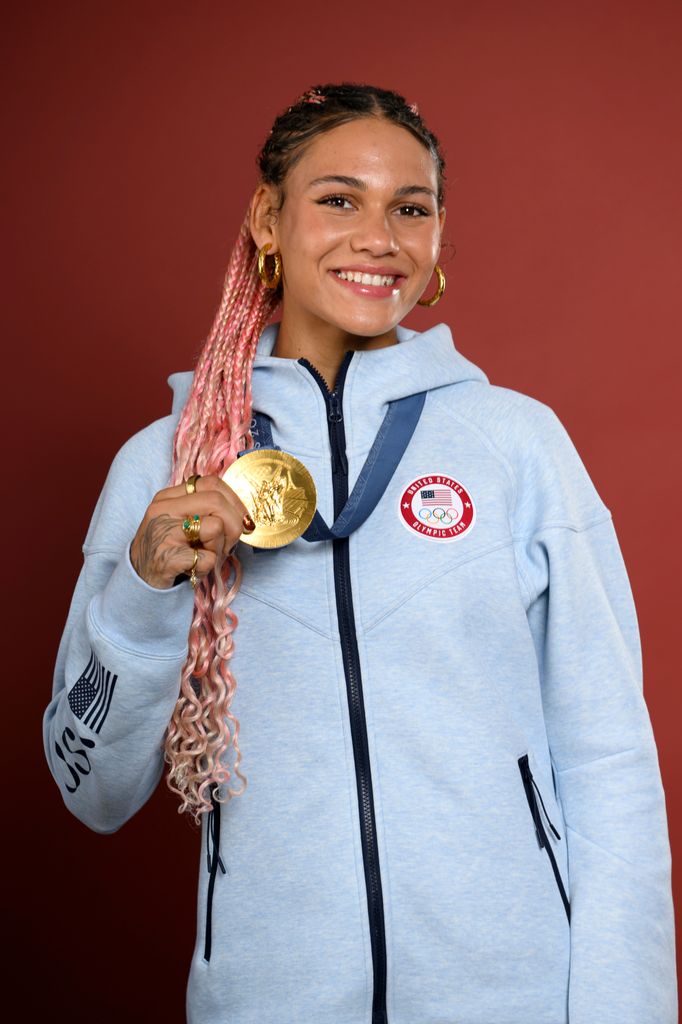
374, 150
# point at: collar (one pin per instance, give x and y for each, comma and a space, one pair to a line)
286, 391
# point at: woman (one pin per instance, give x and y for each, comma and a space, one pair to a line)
454, 808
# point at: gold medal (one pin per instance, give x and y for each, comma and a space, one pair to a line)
279, 493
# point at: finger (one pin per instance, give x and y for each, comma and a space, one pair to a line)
209, 487
203, 484
205, 562
208, 503
211, 531
167, 533
208, 484
215, 544
214, 483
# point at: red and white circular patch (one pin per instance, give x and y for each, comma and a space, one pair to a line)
437, 507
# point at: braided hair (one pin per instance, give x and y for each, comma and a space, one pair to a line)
215, 424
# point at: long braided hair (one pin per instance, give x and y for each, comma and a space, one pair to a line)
215, 425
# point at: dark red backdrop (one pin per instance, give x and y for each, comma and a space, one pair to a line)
130, 135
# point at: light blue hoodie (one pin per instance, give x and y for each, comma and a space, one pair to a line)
454, 811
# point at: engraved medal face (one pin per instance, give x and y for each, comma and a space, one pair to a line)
279, 493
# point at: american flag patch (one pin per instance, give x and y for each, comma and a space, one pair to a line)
90, 698
436, 496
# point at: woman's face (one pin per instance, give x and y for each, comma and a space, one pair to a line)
376, 213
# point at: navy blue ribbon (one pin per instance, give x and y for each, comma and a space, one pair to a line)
386, 452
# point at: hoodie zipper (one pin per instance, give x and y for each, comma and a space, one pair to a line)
351, 665
530, 786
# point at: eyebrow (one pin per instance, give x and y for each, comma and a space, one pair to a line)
342, 179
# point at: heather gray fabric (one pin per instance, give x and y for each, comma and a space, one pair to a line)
518, 637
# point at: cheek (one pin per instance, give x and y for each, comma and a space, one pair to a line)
425, 247
311, 237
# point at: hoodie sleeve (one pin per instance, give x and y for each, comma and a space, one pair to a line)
118, 667
583, 621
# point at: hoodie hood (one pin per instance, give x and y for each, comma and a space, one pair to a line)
421, 361
281, 388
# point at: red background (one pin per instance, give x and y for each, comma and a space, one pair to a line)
130, 135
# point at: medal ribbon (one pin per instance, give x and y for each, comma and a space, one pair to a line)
388, 448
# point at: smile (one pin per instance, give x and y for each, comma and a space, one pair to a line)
360, 278
373, 286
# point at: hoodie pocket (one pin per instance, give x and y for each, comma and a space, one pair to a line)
532, 795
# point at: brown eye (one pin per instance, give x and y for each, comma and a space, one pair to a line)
333, 201
414, 210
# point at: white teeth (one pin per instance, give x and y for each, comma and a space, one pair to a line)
359, 278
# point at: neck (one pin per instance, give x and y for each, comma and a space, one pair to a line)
324, 344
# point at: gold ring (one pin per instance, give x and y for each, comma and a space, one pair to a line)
191, 527
192, 572
191, 483
248, 523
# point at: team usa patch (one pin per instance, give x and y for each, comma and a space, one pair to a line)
437, 507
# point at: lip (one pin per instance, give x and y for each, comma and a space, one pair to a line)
368, 268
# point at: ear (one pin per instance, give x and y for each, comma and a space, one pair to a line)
263, 217
441, 219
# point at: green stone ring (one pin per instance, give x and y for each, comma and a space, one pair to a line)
191, 527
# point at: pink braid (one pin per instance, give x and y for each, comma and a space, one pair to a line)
213, 427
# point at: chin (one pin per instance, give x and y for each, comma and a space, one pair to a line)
367, 324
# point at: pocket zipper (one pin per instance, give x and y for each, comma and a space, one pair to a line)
213, 862
531, 788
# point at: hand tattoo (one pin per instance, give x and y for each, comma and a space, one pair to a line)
150, 561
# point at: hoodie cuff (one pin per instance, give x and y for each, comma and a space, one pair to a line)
134, 616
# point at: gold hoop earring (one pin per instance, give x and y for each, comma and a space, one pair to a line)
439, 292
269, 282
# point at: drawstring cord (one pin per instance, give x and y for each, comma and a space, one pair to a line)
537, 821
213, 862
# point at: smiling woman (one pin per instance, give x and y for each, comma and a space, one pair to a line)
455, 809
366, 240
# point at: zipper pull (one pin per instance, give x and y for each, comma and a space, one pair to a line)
527, 777
335, 413
339, 461
545, 809
212, 843
530, 784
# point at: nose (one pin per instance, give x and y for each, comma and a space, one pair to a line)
374, 232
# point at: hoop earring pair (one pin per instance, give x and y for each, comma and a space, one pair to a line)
269, 282
439, 291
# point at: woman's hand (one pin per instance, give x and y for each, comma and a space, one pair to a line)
160, 551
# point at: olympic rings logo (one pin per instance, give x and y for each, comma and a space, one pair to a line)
442, 516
